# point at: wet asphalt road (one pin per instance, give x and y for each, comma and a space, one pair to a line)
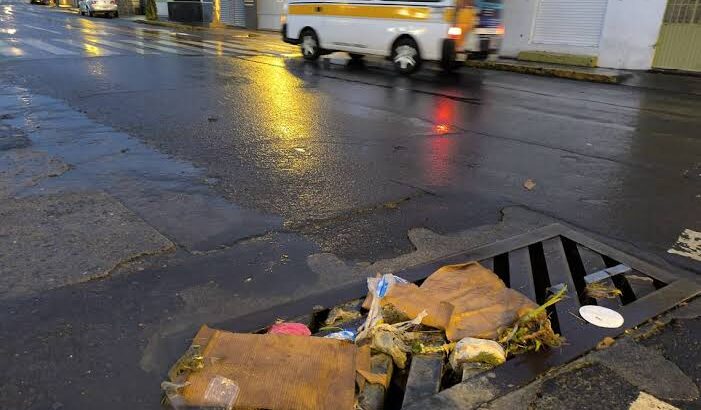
250, 160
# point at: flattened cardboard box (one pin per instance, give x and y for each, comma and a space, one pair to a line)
272, 371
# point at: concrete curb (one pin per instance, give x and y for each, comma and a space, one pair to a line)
565, 72
187, 26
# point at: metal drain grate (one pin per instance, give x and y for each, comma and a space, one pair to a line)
534, 263
553, 256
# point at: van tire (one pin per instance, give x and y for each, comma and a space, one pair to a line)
448, 56
405, 56
309, 44
356, 57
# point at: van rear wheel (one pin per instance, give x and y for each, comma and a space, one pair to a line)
310, 45
356, 57
405, 56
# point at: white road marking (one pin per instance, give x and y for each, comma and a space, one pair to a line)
41, 28
42, 45
114, 44
218, 47
197, 49
688, 245
89, 48
153, 46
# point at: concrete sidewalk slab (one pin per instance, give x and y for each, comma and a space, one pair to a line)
57, 240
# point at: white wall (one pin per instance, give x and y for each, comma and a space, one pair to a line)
630, 32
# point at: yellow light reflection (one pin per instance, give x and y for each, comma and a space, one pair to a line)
287, 111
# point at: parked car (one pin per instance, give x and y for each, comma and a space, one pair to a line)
93, 7
42, 2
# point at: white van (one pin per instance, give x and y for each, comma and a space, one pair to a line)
407, 32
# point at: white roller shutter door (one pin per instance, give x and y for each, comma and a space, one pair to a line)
569, 22
239, 13
227, 16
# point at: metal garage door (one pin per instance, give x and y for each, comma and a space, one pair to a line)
226, 16
269, 14
233, 13
570, 22
679, 45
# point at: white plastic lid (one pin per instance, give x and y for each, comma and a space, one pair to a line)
601, 316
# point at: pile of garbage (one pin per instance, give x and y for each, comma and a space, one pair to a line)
462, 313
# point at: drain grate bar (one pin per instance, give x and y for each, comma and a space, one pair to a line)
593, 262
559, 272
521, 273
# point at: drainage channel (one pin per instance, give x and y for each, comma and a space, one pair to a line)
536, 264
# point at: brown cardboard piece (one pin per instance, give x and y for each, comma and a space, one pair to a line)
272, 371
464, 299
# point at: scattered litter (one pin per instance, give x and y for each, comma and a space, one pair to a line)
283, 328
465, 300
529, 184
394, 340
221, 393
472, 350
299, 149
341, 315
598, 290
605, 343
248, 279
533, 329
342, 335
462, 313
601, 316
212, 119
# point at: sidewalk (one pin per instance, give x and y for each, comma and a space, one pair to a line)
600, 75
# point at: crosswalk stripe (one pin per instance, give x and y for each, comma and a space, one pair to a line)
237, 46
153, 46
197, 49
114, 44
217, 47
89, 48
41, 28
9, 50
42, 45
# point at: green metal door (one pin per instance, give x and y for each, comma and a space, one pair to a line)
679, 44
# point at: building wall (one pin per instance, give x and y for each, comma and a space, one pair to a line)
630, 31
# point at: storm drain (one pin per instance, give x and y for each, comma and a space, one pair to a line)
540, 262
536, 264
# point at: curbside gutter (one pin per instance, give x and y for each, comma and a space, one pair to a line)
548, 71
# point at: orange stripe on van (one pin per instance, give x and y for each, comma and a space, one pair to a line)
362, 11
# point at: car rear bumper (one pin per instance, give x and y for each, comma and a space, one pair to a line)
99, 8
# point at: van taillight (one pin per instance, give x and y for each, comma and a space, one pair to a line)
454, 32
